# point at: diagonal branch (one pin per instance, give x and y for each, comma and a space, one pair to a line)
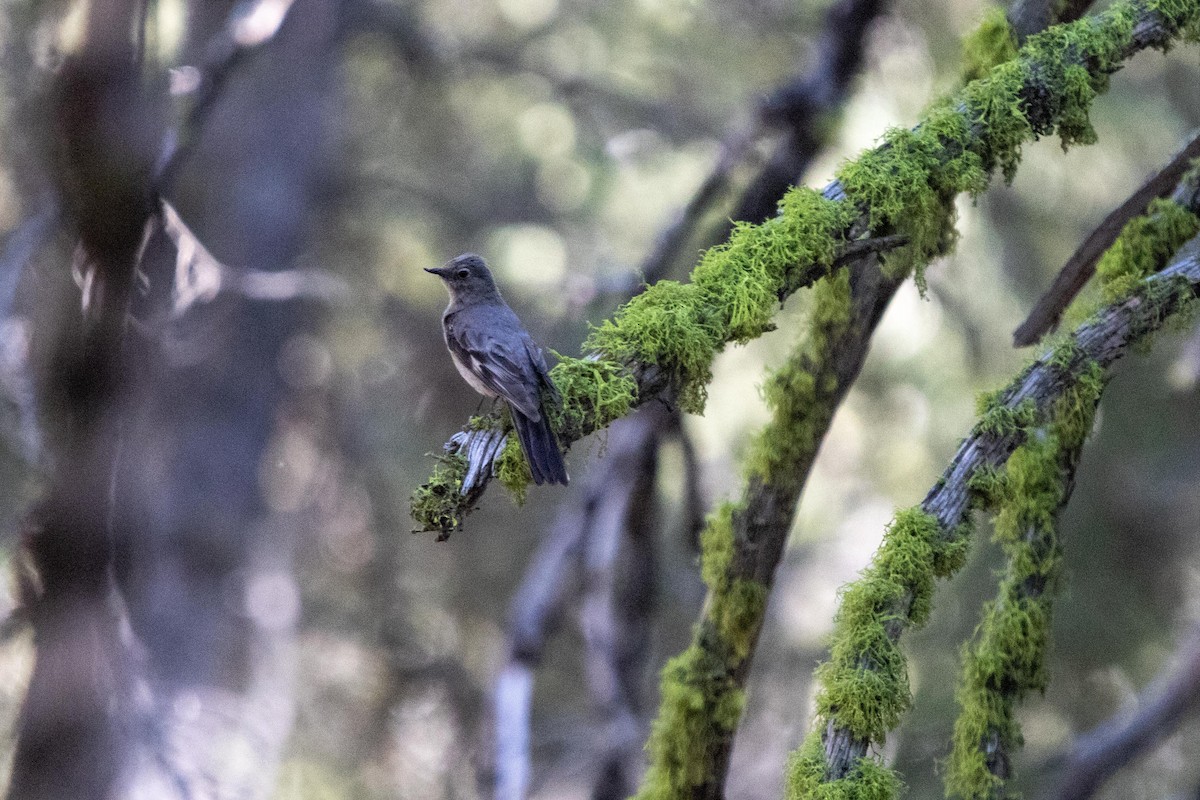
894, 594
248, 28
661, 345
1101, 753
1082, 264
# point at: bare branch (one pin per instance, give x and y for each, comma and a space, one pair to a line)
249, 27
1102, 752
611, 514
798, 108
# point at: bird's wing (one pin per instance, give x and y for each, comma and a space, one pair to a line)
538, 360
498, 355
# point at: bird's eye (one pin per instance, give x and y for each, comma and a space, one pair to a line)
462, 273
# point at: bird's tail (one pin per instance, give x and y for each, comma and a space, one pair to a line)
541, 449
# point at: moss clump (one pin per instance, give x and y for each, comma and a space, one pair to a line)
512, 470
908, 186
483, 422
732, 296
866, 780
832, 311
737, 614
716, 546
439, 505
998, 419
800, 408
864, 685
1144, 247
1007, 659
736, 605
1178, 15
592, 390
700, 708
669, 326
989, 45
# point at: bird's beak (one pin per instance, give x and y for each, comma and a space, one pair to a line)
439, 271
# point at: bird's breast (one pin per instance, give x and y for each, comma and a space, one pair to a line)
470, 377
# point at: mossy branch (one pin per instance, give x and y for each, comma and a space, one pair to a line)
1080, 267
1006, 661
864, 685
662, 343
692, 738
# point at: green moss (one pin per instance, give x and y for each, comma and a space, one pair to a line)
985, 482
998, 419
832, 311
512, 470
716, 546
991, 44
985, 720
995, 105
800, 408
670, 326
864, 685
908, 186
735, 604
700, 708
1075, 411
1032, 490
1179, 15
806, 236
1006, 662
593, 390
483, 422
778, 446
866, 780
733, 294
1007, 659
737, 615
1144, 247
439, 504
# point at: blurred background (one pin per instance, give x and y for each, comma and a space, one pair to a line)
275, 440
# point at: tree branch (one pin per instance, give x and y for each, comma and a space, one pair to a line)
604, 537
249, 27
1082, 264
660, 346
72, 737
1102, 752
849, 730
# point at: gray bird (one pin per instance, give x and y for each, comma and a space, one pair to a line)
498, 358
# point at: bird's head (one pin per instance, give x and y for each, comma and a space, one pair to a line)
467, 278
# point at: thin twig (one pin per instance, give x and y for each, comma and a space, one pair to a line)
249, 27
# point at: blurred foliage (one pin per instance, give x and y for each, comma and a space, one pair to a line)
558, 137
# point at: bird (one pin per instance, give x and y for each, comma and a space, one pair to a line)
497, 357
